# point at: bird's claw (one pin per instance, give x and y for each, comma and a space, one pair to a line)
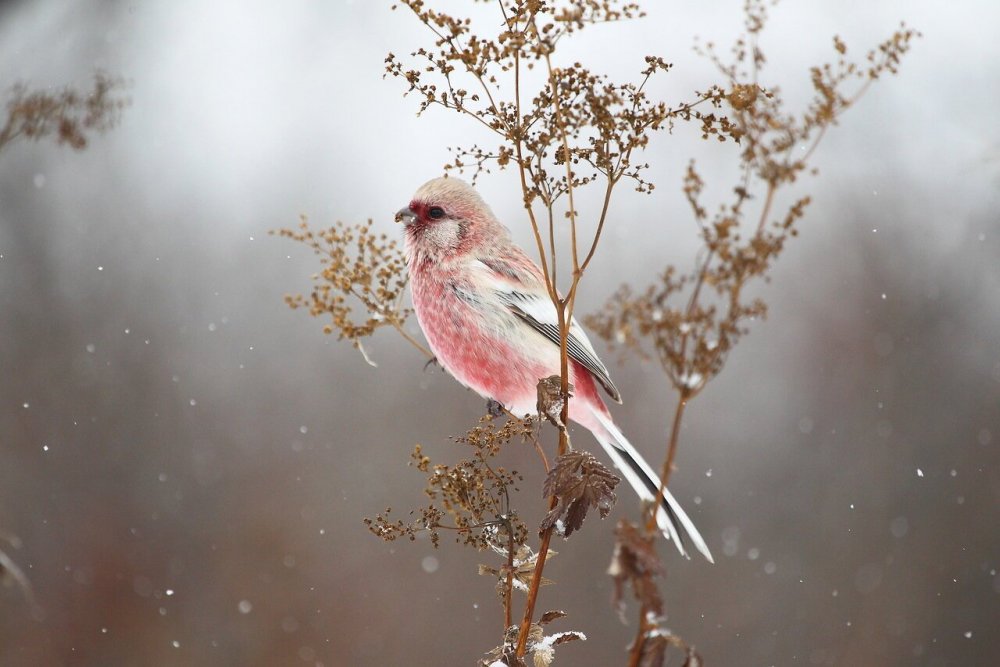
433, 361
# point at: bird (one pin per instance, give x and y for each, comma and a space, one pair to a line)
486, 313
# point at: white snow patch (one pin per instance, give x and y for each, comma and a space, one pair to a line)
691, 380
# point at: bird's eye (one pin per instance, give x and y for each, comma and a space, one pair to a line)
435, 212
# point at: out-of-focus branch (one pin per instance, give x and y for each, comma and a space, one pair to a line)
68, 116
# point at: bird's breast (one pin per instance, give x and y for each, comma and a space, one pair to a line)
481, 343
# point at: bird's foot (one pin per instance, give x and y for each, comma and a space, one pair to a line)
494, 407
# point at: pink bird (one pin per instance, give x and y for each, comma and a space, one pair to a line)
483, 306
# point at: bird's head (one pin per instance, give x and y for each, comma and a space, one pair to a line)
447, 215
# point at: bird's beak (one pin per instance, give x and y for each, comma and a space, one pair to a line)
406, 216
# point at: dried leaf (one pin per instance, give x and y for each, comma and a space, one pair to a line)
579, 482
563, 637
635, 562
542, 647
543, 656
544, 652
539, 645
552, 400
550, 616
504, 655
524, 569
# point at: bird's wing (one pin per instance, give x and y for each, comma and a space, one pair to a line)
518, 287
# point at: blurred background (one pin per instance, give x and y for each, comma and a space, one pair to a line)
186, 462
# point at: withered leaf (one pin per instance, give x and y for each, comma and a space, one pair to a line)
506, 653
542, 647
563, 637
523, 570
543, 656
641, 548
550, 616
551, 399
635, 561
579, 482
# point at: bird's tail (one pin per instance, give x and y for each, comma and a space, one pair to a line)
646, 483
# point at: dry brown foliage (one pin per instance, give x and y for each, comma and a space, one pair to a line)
563, 128
579, 483
552, 400
475, 493
540, 647
472, 498
673, 320
69, 116
360, 269
636, 563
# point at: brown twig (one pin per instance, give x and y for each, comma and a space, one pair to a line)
564, 310
668, 463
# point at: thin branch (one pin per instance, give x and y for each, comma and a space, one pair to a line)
508, 601
561, 309
536, 582
639, 643
668, 463
411, 340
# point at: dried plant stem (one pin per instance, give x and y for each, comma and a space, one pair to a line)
675, 433
564, 308
600, 222
8, 133
508, 600
639, 643
686, 393
768, 200
557, 108
411, 340
668, 463
543, 548
541, 454
536, 582
522, 171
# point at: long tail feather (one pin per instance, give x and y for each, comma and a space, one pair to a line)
646, 483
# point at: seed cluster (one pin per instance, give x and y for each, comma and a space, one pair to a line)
689, 321
69, 116
360, 269
471, 497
